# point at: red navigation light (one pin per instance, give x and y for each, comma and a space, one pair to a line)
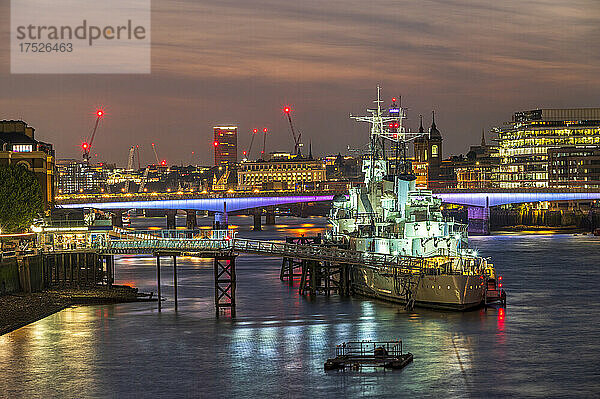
216, 143
287, 110
255, 131
265, 130
393, 99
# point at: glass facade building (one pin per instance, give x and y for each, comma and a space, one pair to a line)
524, 143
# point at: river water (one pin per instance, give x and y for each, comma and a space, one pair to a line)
545, 344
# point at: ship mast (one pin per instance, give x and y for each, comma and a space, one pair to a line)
380, 133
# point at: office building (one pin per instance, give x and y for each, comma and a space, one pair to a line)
225, 145
78, 177
525, 142
572, 167
281, 174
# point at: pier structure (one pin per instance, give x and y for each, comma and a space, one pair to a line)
322, 269
315, 276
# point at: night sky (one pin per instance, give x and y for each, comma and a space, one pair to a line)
224, 61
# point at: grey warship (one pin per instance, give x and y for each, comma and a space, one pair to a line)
389, 215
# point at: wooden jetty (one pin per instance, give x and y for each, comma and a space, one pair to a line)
358, 354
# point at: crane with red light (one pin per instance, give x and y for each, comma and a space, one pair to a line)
158, 162
262, 153
87, 146
247, 153
288, 112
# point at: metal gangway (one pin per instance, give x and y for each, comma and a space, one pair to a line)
326, 254
225, 242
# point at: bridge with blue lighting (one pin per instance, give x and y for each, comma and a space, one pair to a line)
218, 204
490, 198
478, 202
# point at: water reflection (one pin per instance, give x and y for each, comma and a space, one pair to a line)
278, 343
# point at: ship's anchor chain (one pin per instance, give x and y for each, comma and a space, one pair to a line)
407, 287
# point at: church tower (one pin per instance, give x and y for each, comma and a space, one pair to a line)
428, 148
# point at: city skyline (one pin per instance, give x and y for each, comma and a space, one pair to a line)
474, 64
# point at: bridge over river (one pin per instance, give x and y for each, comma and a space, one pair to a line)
478, 202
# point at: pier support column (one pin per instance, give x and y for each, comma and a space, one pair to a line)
158, 280
190, 220
117, 218
479, 220
220, 221
171, 221
225, 283
257, 215
107, 270
175, 278
270, 216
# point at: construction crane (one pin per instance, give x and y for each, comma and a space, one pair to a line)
130, 158
137, 153
288, 111
155, 154
87, 146
158, 162
129, 165
247, 153
262, 153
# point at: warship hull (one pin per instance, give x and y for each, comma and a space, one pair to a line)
450, 292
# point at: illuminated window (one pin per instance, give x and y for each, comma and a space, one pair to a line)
434, 151
22, 148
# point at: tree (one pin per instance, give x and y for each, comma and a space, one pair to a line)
20, 198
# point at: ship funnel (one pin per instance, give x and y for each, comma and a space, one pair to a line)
404, 184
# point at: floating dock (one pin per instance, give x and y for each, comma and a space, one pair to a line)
358, 354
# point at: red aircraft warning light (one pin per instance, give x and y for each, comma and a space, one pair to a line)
255, 131
393, 99
163, 162
287, 110
216, 143
265, 130
99, 113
